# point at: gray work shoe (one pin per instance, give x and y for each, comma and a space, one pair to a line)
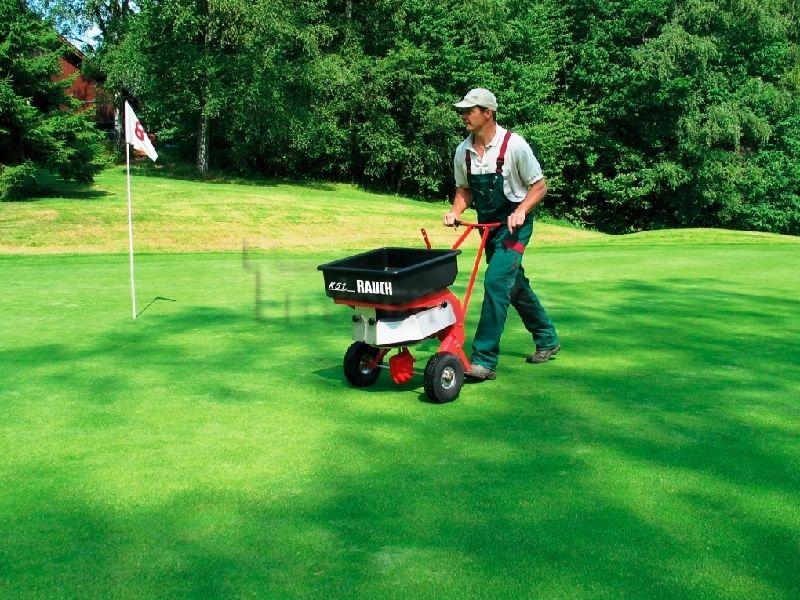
543, 355
480, 372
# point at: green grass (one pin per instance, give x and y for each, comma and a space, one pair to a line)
200, 452
174, 215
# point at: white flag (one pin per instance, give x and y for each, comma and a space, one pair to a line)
135, 134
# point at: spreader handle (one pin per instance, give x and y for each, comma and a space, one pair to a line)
485, 227
468, 224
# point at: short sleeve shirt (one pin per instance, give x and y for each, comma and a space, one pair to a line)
520, 170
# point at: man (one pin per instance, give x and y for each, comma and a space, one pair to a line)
497, 173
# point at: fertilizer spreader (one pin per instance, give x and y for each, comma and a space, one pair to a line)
400, 297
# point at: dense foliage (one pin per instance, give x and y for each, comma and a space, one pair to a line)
644, 113
692, 110
40, 127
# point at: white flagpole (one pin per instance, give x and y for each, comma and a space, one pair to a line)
130, 225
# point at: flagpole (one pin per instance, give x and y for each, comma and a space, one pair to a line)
130, 226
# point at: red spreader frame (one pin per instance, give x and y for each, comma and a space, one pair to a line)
442, 378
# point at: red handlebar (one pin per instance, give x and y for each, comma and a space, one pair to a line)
489, 225
486, 227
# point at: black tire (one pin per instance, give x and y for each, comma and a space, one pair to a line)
355, 360
444, 376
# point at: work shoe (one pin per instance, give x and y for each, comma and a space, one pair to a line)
480, 372
543, 355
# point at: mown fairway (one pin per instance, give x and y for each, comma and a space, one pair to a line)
201, 452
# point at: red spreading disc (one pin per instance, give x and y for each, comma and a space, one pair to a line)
401, 366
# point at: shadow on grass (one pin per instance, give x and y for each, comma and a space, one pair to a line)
50, 186
153, 301
657, 456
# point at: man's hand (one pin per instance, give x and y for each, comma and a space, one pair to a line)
461, 200
450, 218
515, 219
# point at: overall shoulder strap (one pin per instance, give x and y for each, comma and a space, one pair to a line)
501, 158
468, 160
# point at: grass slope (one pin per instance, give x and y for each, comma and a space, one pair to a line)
201, 452
193, 216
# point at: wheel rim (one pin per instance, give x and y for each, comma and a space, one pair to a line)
364, 365
448, 378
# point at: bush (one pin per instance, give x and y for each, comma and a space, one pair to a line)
18, 181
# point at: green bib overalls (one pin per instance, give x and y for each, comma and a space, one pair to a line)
504, 282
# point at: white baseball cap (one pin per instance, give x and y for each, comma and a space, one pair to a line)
478, 97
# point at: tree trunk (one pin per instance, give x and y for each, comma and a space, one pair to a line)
119, 133
202, 145
202, 132
400, 174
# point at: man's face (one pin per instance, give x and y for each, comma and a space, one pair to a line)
475, 118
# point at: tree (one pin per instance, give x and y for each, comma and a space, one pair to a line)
644, 113
422, 55
107, 21
74, 18
40, 126
691, 108
232, 77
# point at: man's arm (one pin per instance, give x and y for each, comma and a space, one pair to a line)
535, 193
461, 200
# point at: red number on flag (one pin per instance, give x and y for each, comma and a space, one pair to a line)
139, 131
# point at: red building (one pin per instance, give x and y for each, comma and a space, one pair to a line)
84, 89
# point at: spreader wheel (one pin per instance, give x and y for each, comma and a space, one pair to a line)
358, 364
444, 376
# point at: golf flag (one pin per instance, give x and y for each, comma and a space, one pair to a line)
135, 134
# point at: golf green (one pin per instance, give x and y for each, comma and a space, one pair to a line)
212, 447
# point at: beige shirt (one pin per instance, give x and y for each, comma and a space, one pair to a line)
520, 170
